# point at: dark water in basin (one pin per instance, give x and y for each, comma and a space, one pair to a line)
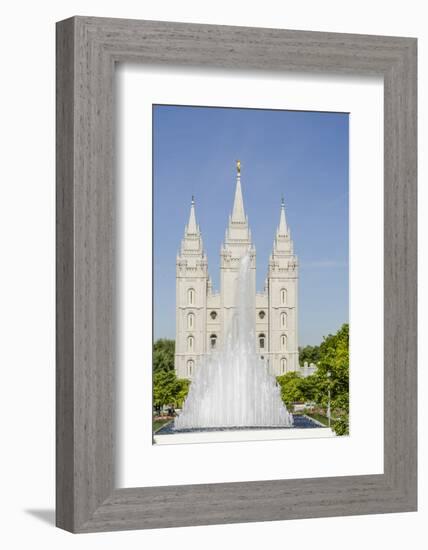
300, 421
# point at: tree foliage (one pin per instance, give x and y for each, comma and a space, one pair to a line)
291, 388
332, 374
295, 388
168, 389
182, 392
163, 355
309, 354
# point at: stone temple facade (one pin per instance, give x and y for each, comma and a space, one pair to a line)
202, 314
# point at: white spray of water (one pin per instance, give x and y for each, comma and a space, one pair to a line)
232, 387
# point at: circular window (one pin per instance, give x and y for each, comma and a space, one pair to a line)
213, 315
262, 314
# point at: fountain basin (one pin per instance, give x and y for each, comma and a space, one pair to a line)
304, 428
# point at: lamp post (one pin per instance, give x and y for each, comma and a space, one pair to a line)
329, 400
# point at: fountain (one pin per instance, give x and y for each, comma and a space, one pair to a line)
232, 387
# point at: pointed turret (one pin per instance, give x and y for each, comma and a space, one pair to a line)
192, 227
191, 244
283, 273
282, 243
282, 228
191, 296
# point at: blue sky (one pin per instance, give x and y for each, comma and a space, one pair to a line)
302, 156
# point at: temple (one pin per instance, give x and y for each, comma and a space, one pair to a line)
202, 313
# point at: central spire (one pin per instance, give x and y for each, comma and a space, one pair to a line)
238, 213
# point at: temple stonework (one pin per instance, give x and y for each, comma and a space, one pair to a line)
202, 314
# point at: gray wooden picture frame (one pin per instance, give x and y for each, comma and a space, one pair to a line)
87, 51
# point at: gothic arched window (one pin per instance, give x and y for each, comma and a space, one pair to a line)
283, 320
213, 315
283, 341
262, 314
283, 365
213, 341
190, 321
190, 367
191, 296
190, 343
283, 295
262, 338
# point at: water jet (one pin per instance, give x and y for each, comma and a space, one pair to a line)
232, 386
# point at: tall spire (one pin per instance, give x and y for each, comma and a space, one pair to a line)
237, 240
282, 228
238, 213
192, 228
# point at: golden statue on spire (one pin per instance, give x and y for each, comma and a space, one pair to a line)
238, 166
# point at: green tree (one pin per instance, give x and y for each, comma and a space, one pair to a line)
168, 389
164, 388
333, 374
182, 392
308, 388
309, 354
332, 358
163, 355
291, 391
296, 389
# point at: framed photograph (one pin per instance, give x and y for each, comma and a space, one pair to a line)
236, 274
227, 351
